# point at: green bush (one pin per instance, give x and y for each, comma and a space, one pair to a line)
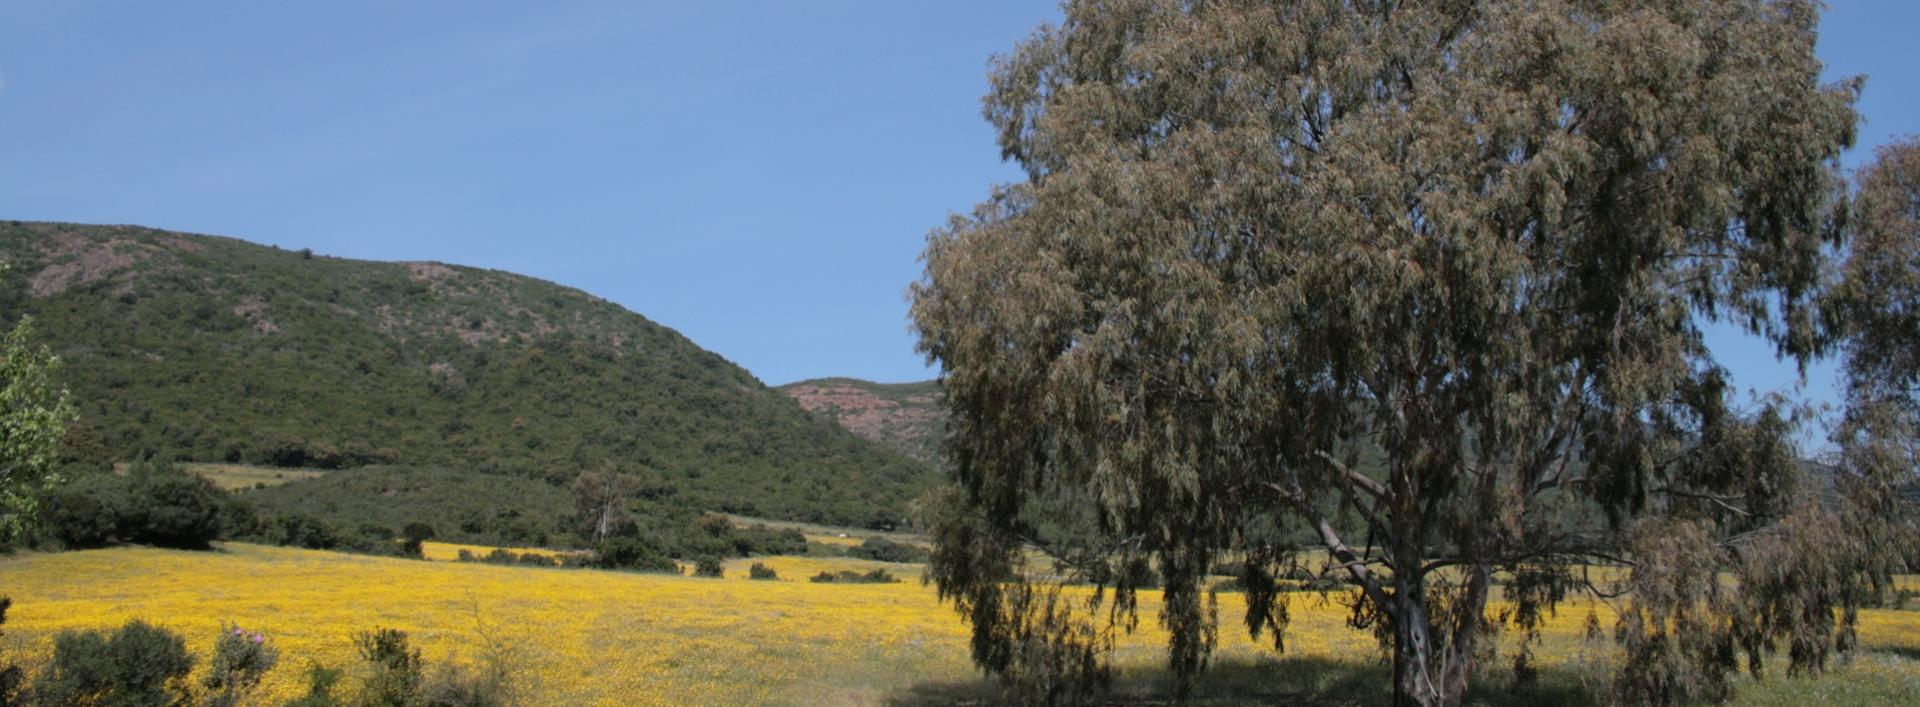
240, 659
503, 556
457, 686
320, 683
302, 530
170, 507
152, 504
760, 571
884, 550
631, 554
85, 513
762, 540
12, 678
878, 576
137, 665
394, 668
708, 566
413, 539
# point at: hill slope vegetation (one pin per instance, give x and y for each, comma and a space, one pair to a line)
212, 349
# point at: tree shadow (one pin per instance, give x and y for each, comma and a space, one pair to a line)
1907, 652
1314, 682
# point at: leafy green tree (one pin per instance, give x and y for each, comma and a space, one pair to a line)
601, 499
34, 414
1420, 282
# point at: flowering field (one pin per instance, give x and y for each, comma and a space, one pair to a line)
450, 552
592, 637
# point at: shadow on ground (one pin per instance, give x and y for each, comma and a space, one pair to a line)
1901, 651
1314, 682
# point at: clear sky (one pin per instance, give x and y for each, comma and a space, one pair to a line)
759, 176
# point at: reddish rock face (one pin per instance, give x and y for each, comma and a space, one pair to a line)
906, 418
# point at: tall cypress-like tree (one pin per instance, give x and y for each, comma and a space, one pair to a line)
1422, 281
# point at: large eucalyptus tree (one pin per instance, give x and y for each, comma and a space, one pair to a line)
1875, 313
1424, 279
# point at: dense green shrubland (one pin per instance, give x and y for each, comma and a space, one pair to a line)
196, 348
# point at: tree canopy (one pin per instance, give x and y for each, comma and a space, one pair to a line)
1875, 312
34, 413
1418, 286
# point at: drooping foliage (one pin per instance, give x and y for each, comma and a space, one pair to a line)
1419, 283
1875, 309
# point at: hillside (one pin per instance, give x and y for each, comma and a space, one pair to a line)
212, 349
906, 417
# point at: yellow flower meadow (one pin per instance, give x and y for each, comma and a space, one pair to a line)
595, 637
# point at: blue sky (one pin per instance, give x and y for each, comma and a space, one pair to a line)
759, 176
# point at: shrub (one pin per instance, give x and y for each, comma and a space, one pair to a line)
630, 554
762, 540
456, 686
413, 538
302, 530
320, 682
138, 664
394, 668
12, 678
240, 659
153, 504
878, 576
84, 513
884, 550
172, 508
708, 566
760, 571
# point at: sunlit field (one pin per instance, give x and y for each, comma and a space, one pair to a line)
595, 637
450, 552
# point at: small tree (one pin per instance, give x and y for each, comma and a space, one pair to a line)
34, 414
601, 498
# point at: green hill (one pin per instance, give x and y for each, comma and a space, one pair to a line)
212, 349
906, 417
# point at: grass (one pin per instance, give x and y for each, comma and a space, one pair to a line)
235, 477
596, 637
831, 535
240, 477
